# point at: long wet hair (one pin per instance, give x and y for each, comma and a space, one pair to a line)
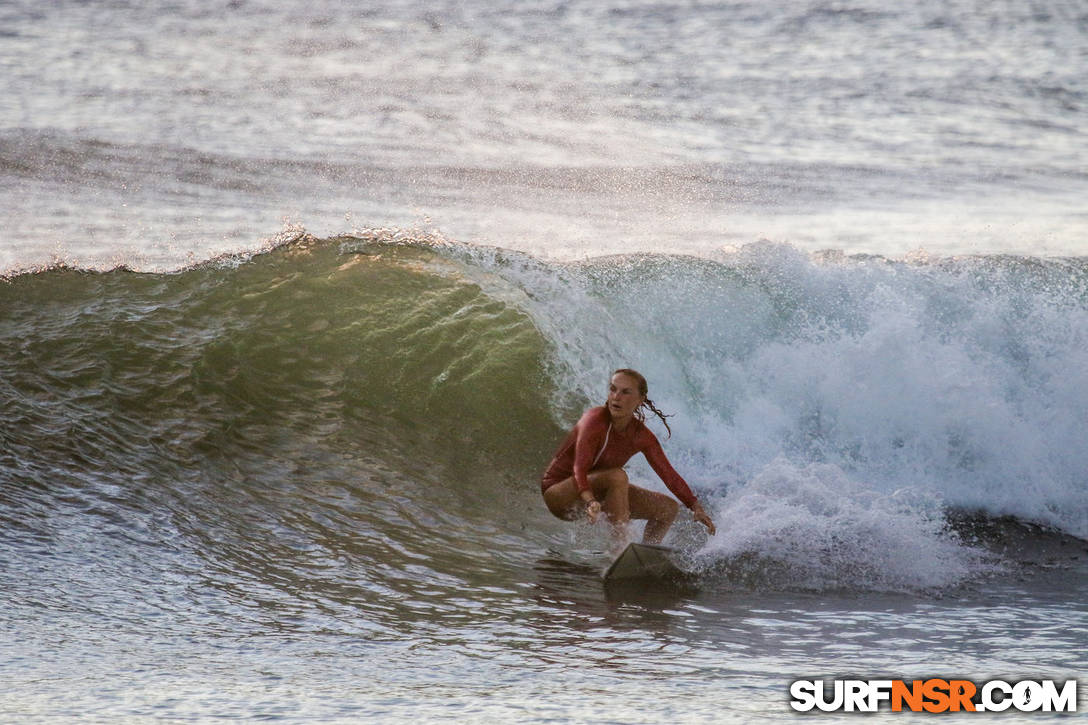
643, 389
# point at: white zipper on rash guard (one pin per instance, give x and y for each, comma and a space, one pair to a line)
603, 446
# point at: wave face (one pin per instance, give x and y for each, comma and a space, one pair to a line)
829, 410
233, 355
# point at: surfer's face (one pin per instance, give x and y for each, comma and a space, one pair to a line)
623, 396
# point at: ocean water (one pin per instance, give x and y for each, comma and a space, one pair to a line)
299, 298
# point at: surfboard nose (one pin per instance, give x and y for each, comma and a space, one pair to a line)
643, 561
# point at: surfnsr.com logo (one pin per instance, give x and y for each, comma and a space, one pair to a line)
934, 695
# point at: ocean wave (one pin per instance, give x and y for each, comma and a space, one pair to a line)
434, 379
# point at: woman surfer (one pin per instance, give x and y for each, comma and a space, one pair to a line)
587, 473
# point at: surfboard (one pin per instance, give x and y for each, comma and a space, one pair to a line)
643, 561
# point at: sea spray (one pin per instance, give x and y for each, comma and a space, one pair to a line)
816, 528
967, 377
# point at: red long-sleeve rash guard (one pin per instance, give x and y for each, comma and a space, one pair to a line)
582, 446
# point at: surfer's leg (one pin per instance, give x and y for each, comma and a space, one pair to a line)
658, 509
610, 487
613, 485
562, 499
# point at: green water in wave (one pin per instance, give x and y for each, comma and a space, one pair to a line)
385, 351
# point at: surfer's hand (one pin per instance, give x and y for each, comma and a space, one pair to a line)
702, 517
593, 510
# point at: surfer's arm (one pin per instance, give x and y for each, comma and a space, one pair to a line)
586, 442
660, 463
674, 481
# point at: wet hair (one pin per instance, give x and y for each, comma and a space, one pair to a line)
643, 389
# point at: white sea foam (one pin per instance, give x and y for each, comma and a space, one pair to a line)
830, 410
815, 527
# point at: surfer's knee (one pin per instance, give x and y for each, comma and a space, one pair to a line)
669, 509
611, 480
660, 508
619, 478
